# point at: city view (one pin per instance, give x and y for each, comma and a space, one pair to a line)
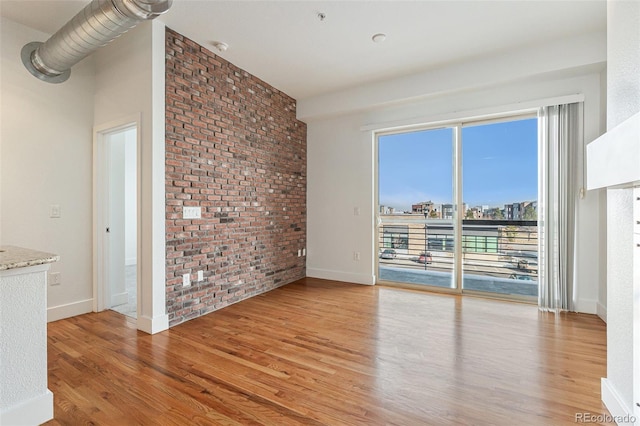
523, 210
498, 233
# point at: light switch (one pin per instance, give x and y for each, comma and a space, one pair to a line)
54, 278
191, 212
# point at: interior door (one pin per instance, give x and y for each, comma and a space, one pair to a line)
117, 223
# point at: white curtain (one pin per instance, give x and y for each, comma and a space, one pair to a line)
560, 133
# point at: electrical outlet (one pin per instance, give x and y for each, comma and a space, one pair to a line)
356, 256
299, 253
356, 211
54, 278
186, 280
304, 251
200, 275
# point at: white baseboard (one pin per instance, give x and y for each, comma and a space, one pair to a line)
593, 307
153, 325
56, 313
601, 311
119, 299
341, 276
620, 413
32, 412
586, 306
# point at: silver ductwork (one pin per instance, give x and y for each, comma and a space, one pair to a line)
96, 25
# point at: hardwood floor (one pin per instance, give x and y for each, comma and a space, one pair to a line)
320, 352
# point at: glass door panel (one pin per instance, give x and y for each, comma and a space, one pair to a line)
416, 208
499, 211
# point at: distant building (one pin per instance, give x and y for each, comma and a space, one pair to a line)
422, 207
433, 211
447, 211
526, 210
518, 210
508, 211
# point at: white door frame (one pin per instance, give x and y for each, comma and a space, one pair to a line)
101, 288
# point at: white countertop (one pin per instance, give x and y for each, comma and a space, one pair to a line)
12, 257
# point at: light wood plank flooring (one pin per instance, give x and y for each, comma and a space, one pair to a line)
321, 352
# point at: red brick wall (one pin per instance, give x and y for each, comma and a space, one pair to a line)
234, 148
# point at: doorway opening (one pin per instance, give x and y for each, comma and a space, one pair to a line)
117, 219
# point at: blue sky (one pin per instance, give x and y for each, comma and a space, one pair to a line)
499, 165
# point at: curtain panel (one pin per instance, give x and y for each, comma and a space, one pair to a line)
561, 141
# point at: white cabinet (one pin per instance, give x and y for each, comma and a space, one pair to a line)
24, 397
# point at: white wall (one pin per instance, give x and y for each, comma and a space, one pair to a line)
130, 81
340, 179
46, 153
341, 151
623, 100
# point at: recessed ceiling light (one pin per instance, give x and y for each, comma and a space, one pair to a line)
379, 38
220, 46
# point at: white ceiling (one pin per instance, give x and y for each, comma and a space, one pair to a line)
286, 44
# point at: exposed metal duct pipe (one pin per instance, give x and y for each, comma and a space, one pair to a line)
96, 25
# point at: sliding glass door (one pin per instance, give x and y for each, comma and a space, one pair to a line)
457, 207
500, 190
415, 186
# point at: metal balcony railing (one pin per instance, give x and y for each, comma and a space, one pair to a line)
502, 249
